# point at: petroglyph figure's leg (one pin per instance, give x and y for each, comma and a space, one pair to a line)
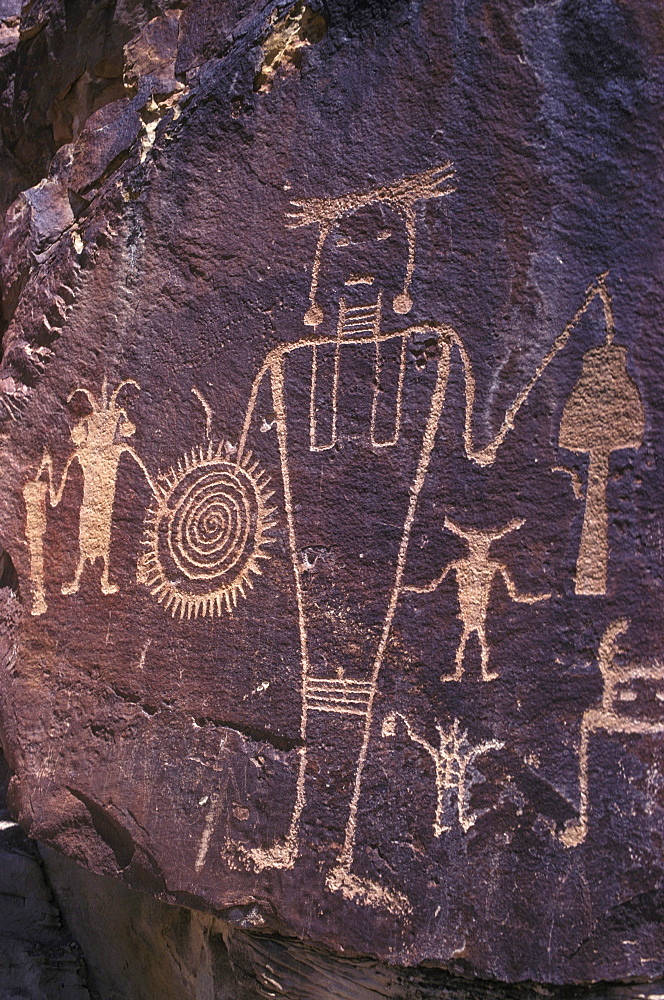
72, 588
363, 890
284, 854
460, 653
575, 833
341, 878
487, 675
106, 586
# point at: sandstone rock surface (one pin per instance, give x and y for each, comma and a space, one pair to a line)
39, 959
332, 469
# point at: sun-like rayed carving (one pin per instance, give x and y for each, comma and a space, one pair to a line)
206, 533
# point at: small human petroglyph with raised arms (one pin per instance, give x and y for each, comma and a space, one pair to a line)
475, 574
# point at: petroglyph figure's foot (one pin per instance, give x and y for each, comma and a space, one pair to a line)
278, 856
490, 675
456, 676
109, 588
69, 588
365, 892
573, 834
39, 605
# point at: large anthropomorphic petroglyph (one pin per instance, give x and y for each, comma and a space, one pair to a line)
325, 621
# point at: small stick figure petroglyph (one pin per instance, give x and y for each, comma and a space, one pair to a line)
475, 574
453, 760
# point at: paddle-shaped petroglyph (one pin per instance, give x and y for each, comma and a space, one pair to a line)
603, 414
207, 532
455, 775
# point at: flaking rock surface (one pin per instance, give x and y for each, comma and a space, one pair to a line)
332, 473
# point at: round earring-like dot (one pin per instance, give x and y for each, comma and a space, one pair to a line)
314, 315
402, 304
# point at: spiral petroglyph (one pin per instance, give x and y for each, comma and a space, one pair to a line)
206, 532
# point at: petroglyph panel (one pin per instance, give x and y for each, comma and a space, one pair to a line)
337, 508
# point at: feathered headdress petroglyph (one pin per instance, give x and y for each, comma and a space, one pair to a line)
402, 196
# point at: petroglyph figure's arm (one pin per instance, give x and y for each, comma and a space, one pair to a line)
34, 495
251, 405
389, 728
515, 594
467, 816
487, 454
54, 496
429, 587
139, 461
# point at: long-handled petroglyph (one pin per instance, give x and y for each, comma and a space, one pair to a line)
603, 414
475, 574
607, 718
453, 760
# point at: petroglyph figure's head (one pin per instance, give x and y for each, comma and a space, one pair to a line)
479, 541
126, 428
107, 421
399, 199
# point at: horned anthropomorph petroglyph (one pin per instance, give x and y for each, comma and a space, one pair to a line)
475, 574
100, 440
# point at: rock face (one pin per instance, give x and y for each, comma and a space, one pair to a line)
332, 470
38, 958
